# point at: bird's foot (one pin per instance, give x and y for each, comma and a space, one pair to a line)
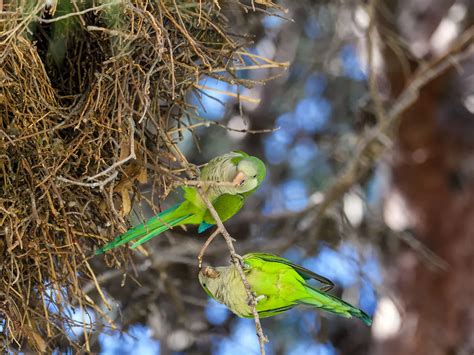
255, 299
259, 298
237, 257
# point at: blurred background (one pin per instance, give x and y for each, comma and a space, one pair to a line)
389, 219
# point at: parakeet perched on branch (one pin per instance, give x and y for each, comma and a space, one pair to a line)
228, 180
278, 284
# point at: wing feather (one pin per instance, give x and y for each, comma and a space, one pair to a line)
305, 273
226, 206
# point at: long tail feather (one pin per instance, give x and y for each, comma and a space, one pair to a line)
159, 230
151, 228
334, 305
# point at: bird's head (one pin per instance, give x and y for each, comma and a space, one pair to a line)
209, 279
250, 173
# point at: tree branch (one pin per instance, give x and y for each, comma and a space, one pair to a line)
237, 261
206, 245
373, 144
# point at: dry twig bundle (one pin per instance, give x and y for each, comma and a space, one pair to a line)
89, 95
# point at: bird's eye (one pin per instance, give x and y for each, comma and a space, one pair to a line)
255, 176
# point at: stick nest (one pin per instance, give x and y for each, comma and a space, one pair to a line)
92, 100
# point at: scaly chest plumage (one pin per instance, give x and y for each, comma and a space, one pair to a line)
220, 170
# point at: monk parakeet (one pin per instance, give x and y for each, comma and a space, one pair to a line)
278, 284
242, 172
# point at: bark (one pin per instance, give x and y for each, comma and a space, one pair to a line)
431, 168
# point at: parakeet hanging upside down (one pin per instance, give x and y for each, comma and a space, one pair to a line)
278, 284
242, 173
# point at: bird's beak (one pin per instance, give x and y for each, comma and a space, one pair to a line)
210, 272
239, 179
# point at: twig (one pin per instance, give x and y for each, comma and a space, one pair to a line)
204, 183
251, 67
7, 136
99, 184
71, 14
237, 261
208, 123
206, 245
131, 156
228, 93
410, 94
125, 35
431, 258
374, 90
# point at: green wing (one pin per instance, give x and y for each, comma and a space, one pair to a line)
305, 273
334, 304
273, 312
226, 206
191, 194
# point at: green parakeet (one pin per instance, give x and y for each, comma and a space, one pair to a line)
242, 172
278, 284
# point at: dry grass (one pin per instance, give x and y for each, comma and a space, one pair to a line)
92, 103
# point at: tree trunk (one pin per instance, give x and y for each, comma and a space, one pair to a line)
433, 169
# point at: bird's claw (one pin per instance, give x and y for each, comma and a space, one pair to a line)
259, 298
255, 298
240, 259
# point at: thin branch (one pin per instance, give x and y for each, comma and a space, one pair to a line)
431, 258
206, 245
71, 14
228, 93
99, 184
125, 35
131, 156
411, 93
205, 183
237, 261
370, 35
208, 123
